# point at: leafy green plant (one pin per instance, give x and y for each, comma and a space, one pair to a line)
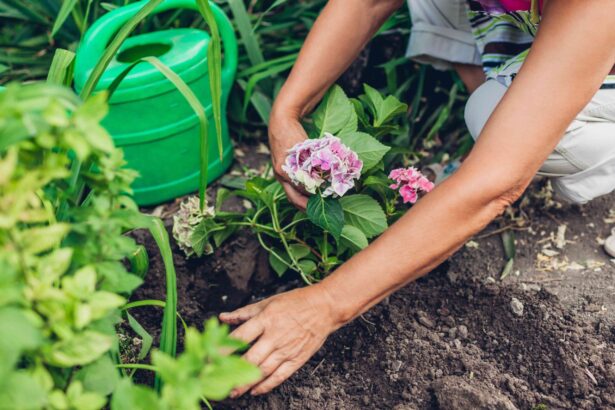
331, 230
63, 282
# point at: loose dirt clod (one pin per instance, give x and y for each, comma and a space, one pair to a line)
517, 307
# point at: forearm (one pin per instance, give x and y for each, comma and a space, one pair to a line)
555, 83
339, 34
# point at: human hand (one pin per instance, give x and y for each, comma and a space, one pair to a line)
288, 328
285, 131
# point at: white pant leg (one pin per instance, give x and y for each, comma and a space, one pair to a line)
583, 163
441, 34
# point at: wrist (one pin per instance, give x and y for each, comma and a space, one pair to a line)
335, 309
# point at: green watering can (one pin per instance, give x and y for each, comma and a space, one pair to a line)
148, 118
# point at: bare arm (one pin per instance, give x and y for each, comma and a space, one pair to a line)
339, 34
571, 56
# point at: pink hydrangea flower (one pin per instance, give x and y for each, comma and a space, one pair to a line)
410, 181
324, 163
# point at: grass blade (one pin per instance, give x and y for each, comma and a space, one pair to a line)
214, 62
261, 76
244, 26
65, 11
146, 338
62, 66
168, 334
194, 102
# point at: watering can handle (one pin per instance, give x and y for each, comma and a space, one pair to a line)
101, 33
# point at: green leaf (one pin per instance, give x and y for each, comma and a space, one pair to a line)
278, 266
65, 10
307, 266
134, 397
82, 349
101, 376
384, 110
335, 113
354, 238
299, 251
146, 338
326, 213
364, 212
37, 240
225, 374
369, 149
23, 336
21, 391
61, 70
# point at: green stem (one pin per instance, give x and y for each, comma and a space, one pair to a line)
138, 366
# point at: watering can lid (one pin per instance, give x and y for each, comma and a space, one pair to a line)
183, 50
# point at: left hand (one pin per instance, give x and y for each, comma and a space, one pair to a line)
288, 328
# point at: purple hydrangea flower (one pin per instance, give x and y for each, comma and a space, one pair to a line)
324, 163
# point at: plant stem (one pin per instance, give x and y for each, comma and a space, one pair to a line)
138, 366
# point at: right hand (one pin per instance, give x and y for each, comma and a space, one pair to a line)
285, 131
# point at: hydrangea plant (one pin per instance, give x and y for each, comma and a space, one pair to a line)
342, 165
185, 222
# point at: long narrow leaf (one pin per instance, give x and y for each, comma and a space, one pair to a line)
195, 104
65, 11
214, 60
244, 26
61, 70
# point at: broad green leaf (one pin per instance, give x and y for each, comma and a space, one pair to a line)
299, 251
101, 376
326, 213
225, 374
21, 391
278, 266
335, 112
20, 335
369, 149
37, 240
134, 397
383, 109
364, 212
82, 349
307, 266
354, 238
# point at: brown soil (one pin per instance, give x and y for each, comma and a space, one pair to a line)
451, 340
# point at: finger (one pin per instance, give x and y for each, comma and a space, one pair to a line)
242, 314
249, 331
267, 367
283, 372
295, 197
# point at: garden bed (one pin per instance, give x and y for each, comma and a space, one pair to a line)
451, 340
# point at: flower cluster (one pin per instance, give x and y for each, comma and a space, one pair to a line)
323, 163
409, 181
186, 220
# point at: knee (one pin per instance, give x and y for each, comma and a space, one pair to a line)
481, 105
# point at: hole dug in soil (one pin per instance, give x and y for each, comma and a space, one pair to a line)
444, 342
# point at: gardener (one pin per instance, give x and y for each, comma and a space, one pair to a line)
550, 110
